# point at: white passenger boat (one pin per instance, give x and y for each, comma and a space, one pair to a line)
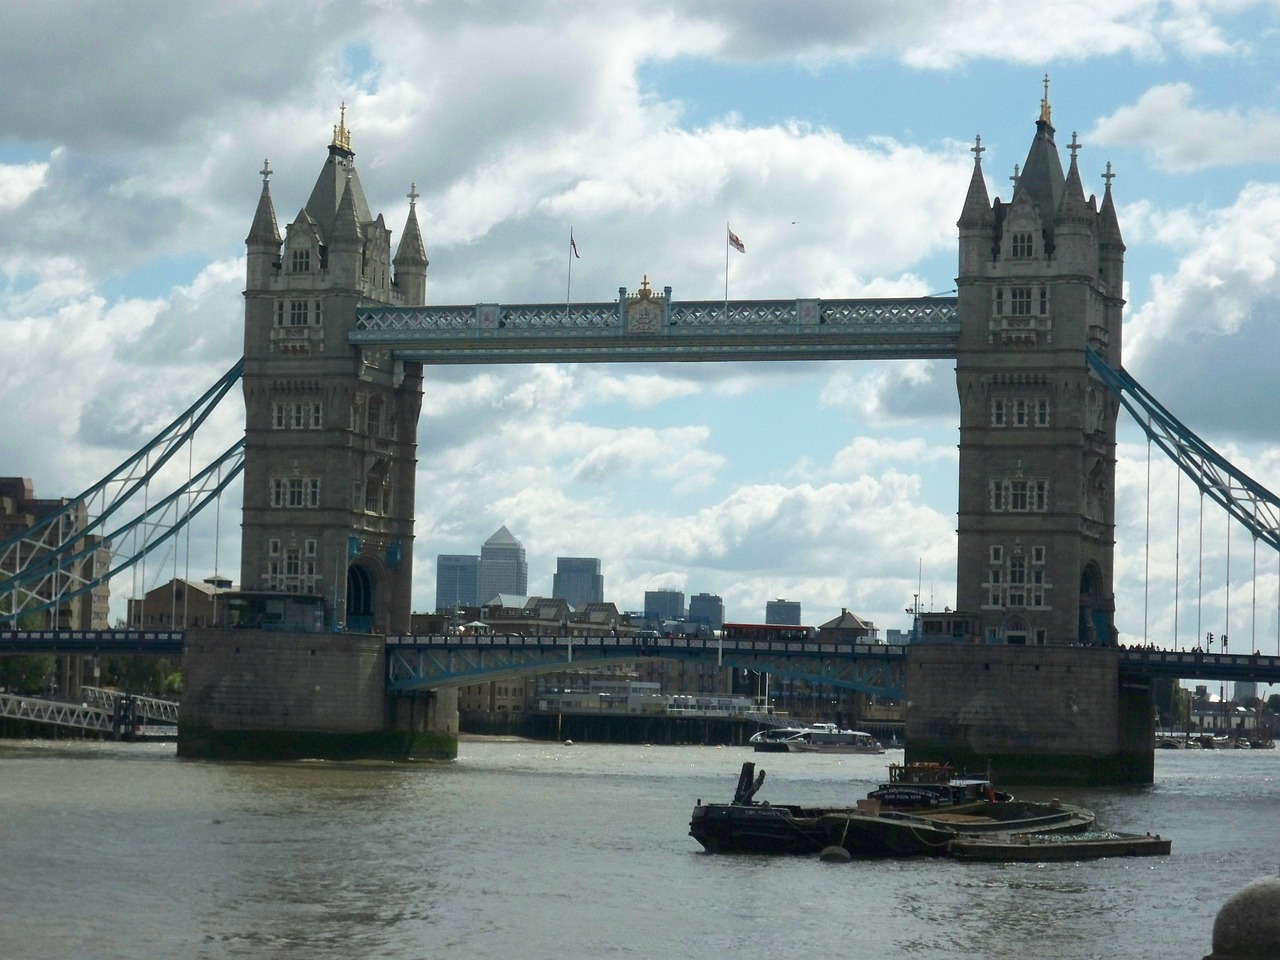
815, 738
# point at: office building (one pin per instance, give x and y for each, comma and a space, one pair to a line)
707, 608
664, 604
578, 580
502, 566
457, 581
782, 612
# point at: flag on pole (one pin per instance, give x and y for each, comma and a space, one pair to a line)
736, 243
573, 246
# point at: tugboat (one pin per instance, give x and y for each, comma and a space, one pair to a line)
917, 813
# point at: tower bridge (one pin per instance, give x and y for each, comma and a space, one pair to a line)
337, 333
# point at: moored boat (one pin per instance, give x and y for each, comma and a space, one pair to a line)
1037, 847
886, 824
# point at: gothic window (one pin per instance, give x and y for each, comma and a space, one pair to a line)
1037, 588
295, 492
317, 416
997, 412
1022, 245
998, 309
301, 262
1044, 301
317, 312
373, 419
1016, 495
1019, 413
1017, 581
299, 315
299, 418
1020, 301
1042, 411
279, 416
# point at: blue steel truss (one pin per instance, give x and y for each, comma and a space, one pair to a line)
113, 525
1244, 498
906, 328
428, 662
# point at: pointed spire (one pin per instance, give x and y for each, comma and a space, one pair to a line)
264, 231
1041, 179
346, 224
341, 142
1073, 203
412, 251
977, 204
1108, 221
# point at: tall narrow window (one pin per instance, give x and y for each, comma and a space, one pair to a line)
1020, 301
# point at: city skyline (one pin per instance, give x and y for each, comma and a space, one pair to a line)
126, 196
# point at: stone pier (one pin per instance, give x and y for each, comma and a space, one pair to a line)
257, 694
1049, 716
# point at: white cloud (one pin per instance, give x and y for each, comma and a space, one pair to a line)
1183, 137
19, 181
120, 252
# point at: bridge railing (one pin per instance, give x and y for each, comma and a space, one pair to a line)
806, 648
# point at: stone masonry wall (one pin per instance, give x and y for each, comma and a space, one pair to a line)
1015, 699
239, 680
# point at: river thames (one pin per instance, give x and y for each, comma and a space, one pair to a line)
539, 851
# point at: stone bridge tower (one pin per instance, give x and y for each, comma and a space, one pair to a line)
330, 429
1040, 277
1036, 694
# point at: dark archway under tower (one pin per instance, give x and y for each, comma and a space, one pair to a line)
361, 599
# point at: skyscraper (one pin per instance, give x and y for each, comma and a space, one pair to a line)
707, 608
578, 581
457, 580
502, 566
782, 612
664, 604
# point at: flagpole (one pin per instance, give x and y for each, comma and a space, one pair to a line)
726, 271
568, 287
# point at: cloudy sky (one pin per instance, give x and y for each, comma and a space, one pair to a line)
833, 136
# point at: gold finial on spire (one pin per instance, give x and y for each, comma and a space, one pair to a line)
341, 135
1044, 103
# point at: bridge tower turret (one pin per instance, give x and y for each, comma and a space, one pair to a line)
330, 428
1039, 279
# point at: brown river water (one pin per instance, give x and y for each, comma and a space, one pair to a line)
544, 851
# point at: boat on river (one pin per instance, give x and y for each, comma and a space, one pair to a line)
815, 738
1041, 847
919, 812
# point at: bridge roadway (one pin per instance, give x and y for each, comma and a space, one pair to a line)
425, 662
